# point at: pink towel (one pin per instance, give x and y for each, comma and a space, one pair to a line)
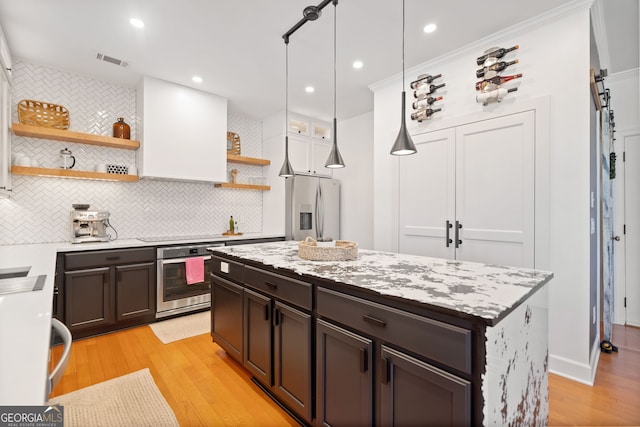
195, 270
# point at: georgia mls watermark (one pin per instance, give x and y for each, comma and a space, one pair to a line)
32, 416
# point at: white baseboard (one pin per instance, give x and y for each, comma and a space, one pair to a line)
581, 372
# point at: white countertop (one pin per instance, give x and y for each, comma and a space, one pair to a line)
25, 318
483, 291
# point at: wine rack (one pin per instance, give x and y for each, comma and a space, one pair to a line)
492, 63
424, 96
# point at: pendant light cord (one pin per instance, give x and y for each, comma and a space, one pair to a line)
403, 45
335, 79
286, 87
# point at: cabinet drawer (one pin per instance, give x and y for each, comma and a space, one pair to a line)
230, 270
76, 260
284, 288
447, 344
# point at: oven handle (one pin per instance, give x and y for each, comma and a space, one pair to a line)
179, 260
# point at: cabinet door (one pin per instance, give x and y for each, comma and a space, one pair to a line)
5, 137
135, 290
427, 196
495, 190
257, 336
416, 393
226, 309
299, 154
89, 298
292, 359
344, 377
320, 150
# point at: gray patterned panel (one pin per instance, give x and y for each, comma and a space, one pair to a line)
480, 290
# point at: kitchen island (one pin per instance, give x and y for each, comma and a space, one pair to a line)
387, 338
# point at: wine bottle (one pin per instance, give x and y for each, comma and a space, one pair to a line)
498, 53
424, 114
494, 95
425, 102
423, 79
495, 67
497, 80
426, 91
231, 225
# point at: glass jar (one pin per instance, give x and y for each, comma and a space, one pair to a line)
121, 129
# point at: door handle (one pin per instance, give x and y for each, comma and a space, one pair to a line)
386, 370
266, 312
448, 227
276, 317
457, 234
617, 238
364, 365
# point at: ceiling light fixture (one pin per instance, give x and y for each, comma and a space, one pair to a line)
357, 65
334, 161
286, 170
430, 28
311, 13
197, 79
404, 144
309, 89
136, 22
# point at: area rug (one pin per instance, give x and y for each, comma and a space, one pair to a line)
182, 327
129, 400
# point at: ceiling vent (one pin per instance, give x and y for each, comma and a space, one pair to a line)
112, 60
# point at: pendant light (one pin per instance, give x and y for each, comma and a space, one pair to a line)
334, 160
286, 170
404, 144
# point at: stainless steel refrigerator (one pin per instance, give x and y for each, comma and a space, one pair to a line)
312, 208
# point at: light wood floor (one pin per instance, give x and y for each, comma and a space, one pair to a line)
207, 388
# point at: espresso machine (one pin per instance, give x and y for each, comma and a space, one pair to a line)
89, 226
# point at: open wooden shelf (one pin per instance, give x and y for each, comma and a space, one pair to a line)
69, 173
243, 186
77, 137
232, 158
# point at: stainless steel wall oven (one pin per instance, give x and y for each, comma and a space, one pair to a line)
174, 294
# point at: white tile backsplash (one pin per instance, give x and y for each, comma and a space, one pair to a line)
39, 209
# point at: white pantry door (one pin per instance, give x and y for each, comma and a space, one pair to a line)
427, 195
495, 190
632, 223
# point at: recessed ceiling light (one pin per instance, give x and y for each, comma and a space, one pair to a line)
357, 64
197, 79
430, 28
309, 89
136, 22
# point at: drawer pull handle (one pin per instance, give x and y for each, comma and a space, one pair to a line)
364, 360
271, 285
374, 321
113, 258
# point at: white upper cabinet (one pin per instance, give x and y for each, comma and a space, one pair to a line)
5, 57
183, 133
5, 118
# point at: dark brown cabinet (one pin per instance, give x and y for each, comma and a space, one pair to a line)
292, 358
89, 298
226, 316
344, 377
258, 336
108, 290
416, 393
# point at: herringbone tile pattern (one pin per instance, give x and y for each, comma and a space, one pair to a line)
39, 210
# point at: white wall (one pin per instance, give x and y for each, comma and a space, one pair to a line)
355, 140
554, 59
625, 102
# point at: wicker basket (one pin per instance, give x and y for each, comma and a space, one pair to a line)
43, 114
342, 251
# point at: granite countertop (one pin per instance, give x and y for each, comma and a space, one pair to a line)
483, 291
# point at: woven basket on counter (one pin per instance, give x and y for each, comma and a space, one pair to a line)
43, 114
343, 250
